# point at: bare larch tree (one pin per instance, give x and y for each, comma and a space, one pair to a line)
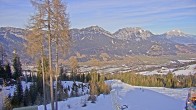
50, 23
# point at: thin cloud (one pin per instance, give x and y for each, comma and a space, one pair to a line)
130, 12
112, 14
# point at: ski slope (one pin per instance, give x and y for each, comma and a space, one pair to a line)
135, 98
142, 98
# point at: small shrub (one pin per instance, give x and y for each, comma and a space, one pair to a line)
84, 105
68, 106
92, 98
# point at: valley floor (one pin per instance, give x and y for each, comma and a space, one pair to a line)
130, 98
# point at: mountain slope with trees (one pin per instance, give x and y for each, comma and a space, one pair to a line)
91, 42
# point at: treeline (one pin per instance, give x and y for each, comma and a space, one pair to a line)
169, 80
5, 72
13, 78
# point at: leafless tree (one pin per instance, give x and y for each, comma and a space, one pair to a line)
51, 22
35, 37
73, 62
60, 28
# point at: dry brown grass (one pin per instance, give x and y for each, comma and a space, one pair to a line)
143, 59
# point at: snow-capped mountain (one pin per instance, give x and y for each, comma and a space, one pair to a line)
175, 33
93, 41
132, 34
180, 37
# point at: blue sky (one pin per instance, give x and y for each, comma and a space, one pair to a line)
158, 16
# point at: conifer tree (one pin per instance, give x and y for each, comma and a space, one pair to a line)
188, 82
74, 90
18, 95
169, 78
38, 100
19, 91
26, 97
17, 66
14, 100
8, 71
2, 72
33, 93
63, 93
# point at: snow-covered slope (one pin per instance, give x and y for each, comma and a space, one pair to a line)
130, 98
139, 98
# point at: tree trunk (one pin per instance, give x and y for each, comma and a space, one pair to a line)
43, 75
56, 98
56, 72
50, 56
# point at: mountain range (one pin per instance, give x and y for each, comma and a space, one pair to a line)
95, 42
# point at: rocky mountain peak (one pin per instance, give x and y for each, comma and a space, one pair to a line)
94, 30
131, 33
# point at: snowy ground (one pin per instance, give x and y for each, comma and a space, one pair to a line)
179, 93
185, 61
135, 98
190, 69
10, 90
147, 98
